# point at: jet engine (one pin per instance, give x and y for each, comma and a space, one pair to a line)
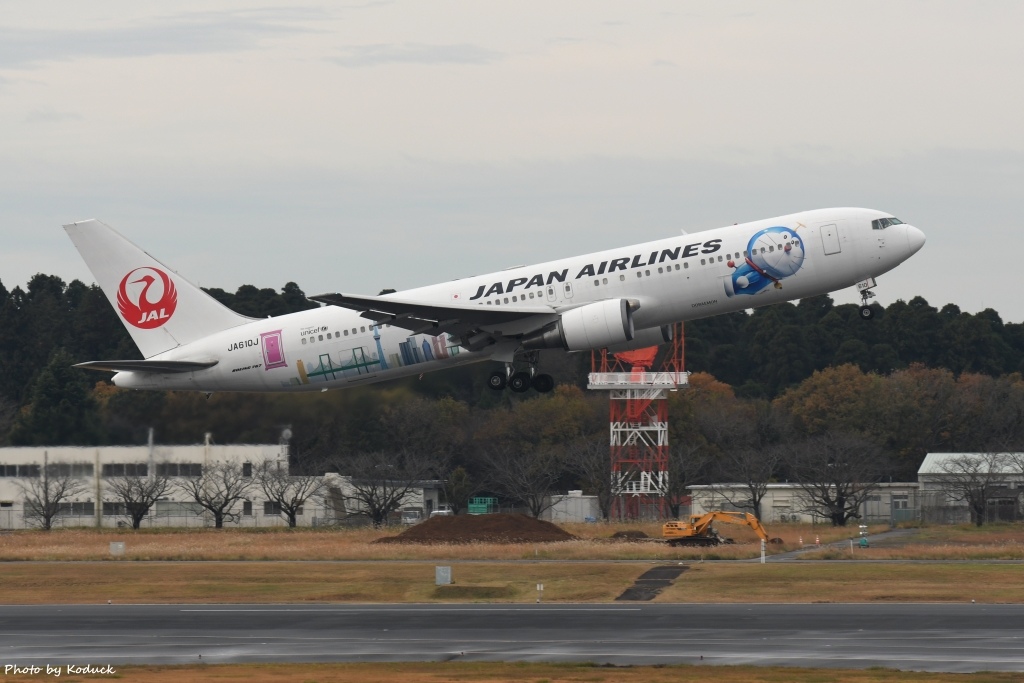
593, 326
652, 336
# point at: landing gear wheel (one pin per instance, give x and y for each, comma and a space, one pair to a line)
497, 380
542, 384
519, 382
866, 313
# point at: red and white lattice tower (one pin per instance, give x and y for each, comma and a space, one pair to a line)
638, 383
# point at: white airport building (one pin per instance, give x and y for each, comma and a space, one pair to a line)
889, 502
95, 506
943, 475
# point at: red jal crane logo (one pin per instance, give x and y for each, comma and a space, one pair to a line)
136, 304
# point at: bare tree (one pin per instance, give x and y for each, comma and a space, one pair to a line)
589, 458
46, 495
288, 492
837, 472
526, 475
459, 489
746, 440
753, 469
689, 464
218, 489
138, 493
972, 478
381, 483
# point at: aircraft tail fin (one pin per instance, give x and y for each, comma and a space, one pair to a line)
160, 309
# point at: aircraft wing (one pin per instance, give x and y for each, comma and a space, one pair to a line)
159, 366
419, 317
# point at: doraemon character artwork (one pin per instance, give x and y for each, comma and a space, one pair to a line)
773, 254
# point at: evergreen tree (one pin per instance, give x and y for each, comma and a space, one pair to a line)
61, 410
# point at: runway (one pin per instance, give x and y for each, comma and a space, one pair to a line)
924, 637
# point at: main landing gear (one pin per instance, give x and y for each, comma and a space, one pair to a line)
520, 381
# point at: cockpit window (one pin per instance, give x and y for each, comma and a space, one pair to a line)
883, 223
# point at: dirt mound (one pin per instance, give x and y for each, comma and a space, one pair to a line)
496, 528
630, 535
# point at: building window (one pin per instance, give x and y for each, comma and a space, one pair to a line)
247, 508
130, 469
76, 509
271, 507
64, 469
6, 504
20, 470
113, 508
246, 469
179, 469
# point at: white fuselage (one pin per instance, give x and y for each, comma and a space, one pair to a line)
676, 279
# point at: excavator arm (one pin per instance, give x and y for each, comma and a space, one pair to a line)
699, 531
741, 518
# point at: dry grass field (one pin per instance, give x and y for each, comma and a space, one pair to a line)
357, 582
467, 672
959, 543
298, 582
594, 543
846, 582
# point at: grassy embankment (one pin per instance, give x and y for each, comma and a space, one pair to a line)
469, 672
493, 572
298, 582
358, 544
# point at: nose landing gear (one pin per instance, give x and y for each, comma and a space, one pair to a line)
520, 381
865, 287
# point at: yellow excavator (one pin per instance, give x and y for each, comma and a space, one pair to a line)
698, 531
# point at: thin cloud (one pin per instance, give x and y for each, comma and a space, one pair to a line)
416, 53
51, 116
204, 33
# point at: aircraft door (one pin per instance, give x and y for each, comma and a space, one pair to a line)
551, 292
830, 238
567, 290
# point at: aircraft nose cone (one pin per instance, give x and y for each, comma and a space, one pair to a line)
915, 239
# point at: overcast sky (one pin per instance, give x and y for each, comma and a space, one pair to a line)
351, 147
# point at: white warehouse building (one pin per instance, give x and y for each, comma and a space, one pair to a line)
889, 502
95, 505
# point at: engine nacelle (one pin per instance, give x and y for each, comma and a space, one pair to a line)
652, 336
593, 326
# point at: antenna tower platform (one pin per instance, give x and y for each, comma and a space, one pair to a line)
638, 387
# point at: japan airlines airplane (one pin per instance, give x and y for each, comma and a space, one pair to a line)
621, 299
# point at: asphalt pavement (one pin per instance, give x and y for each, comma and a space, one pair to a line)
925, 637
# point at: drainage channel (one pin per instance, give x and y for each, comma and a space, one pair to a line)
651, 583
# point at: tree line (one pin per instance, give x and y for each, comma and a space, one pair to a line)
771, 388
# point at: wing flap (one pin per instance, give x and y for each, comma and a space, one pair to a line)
421, 317
155, 366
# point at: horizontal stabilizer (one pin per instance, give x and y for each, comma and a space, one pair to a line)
157, 366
